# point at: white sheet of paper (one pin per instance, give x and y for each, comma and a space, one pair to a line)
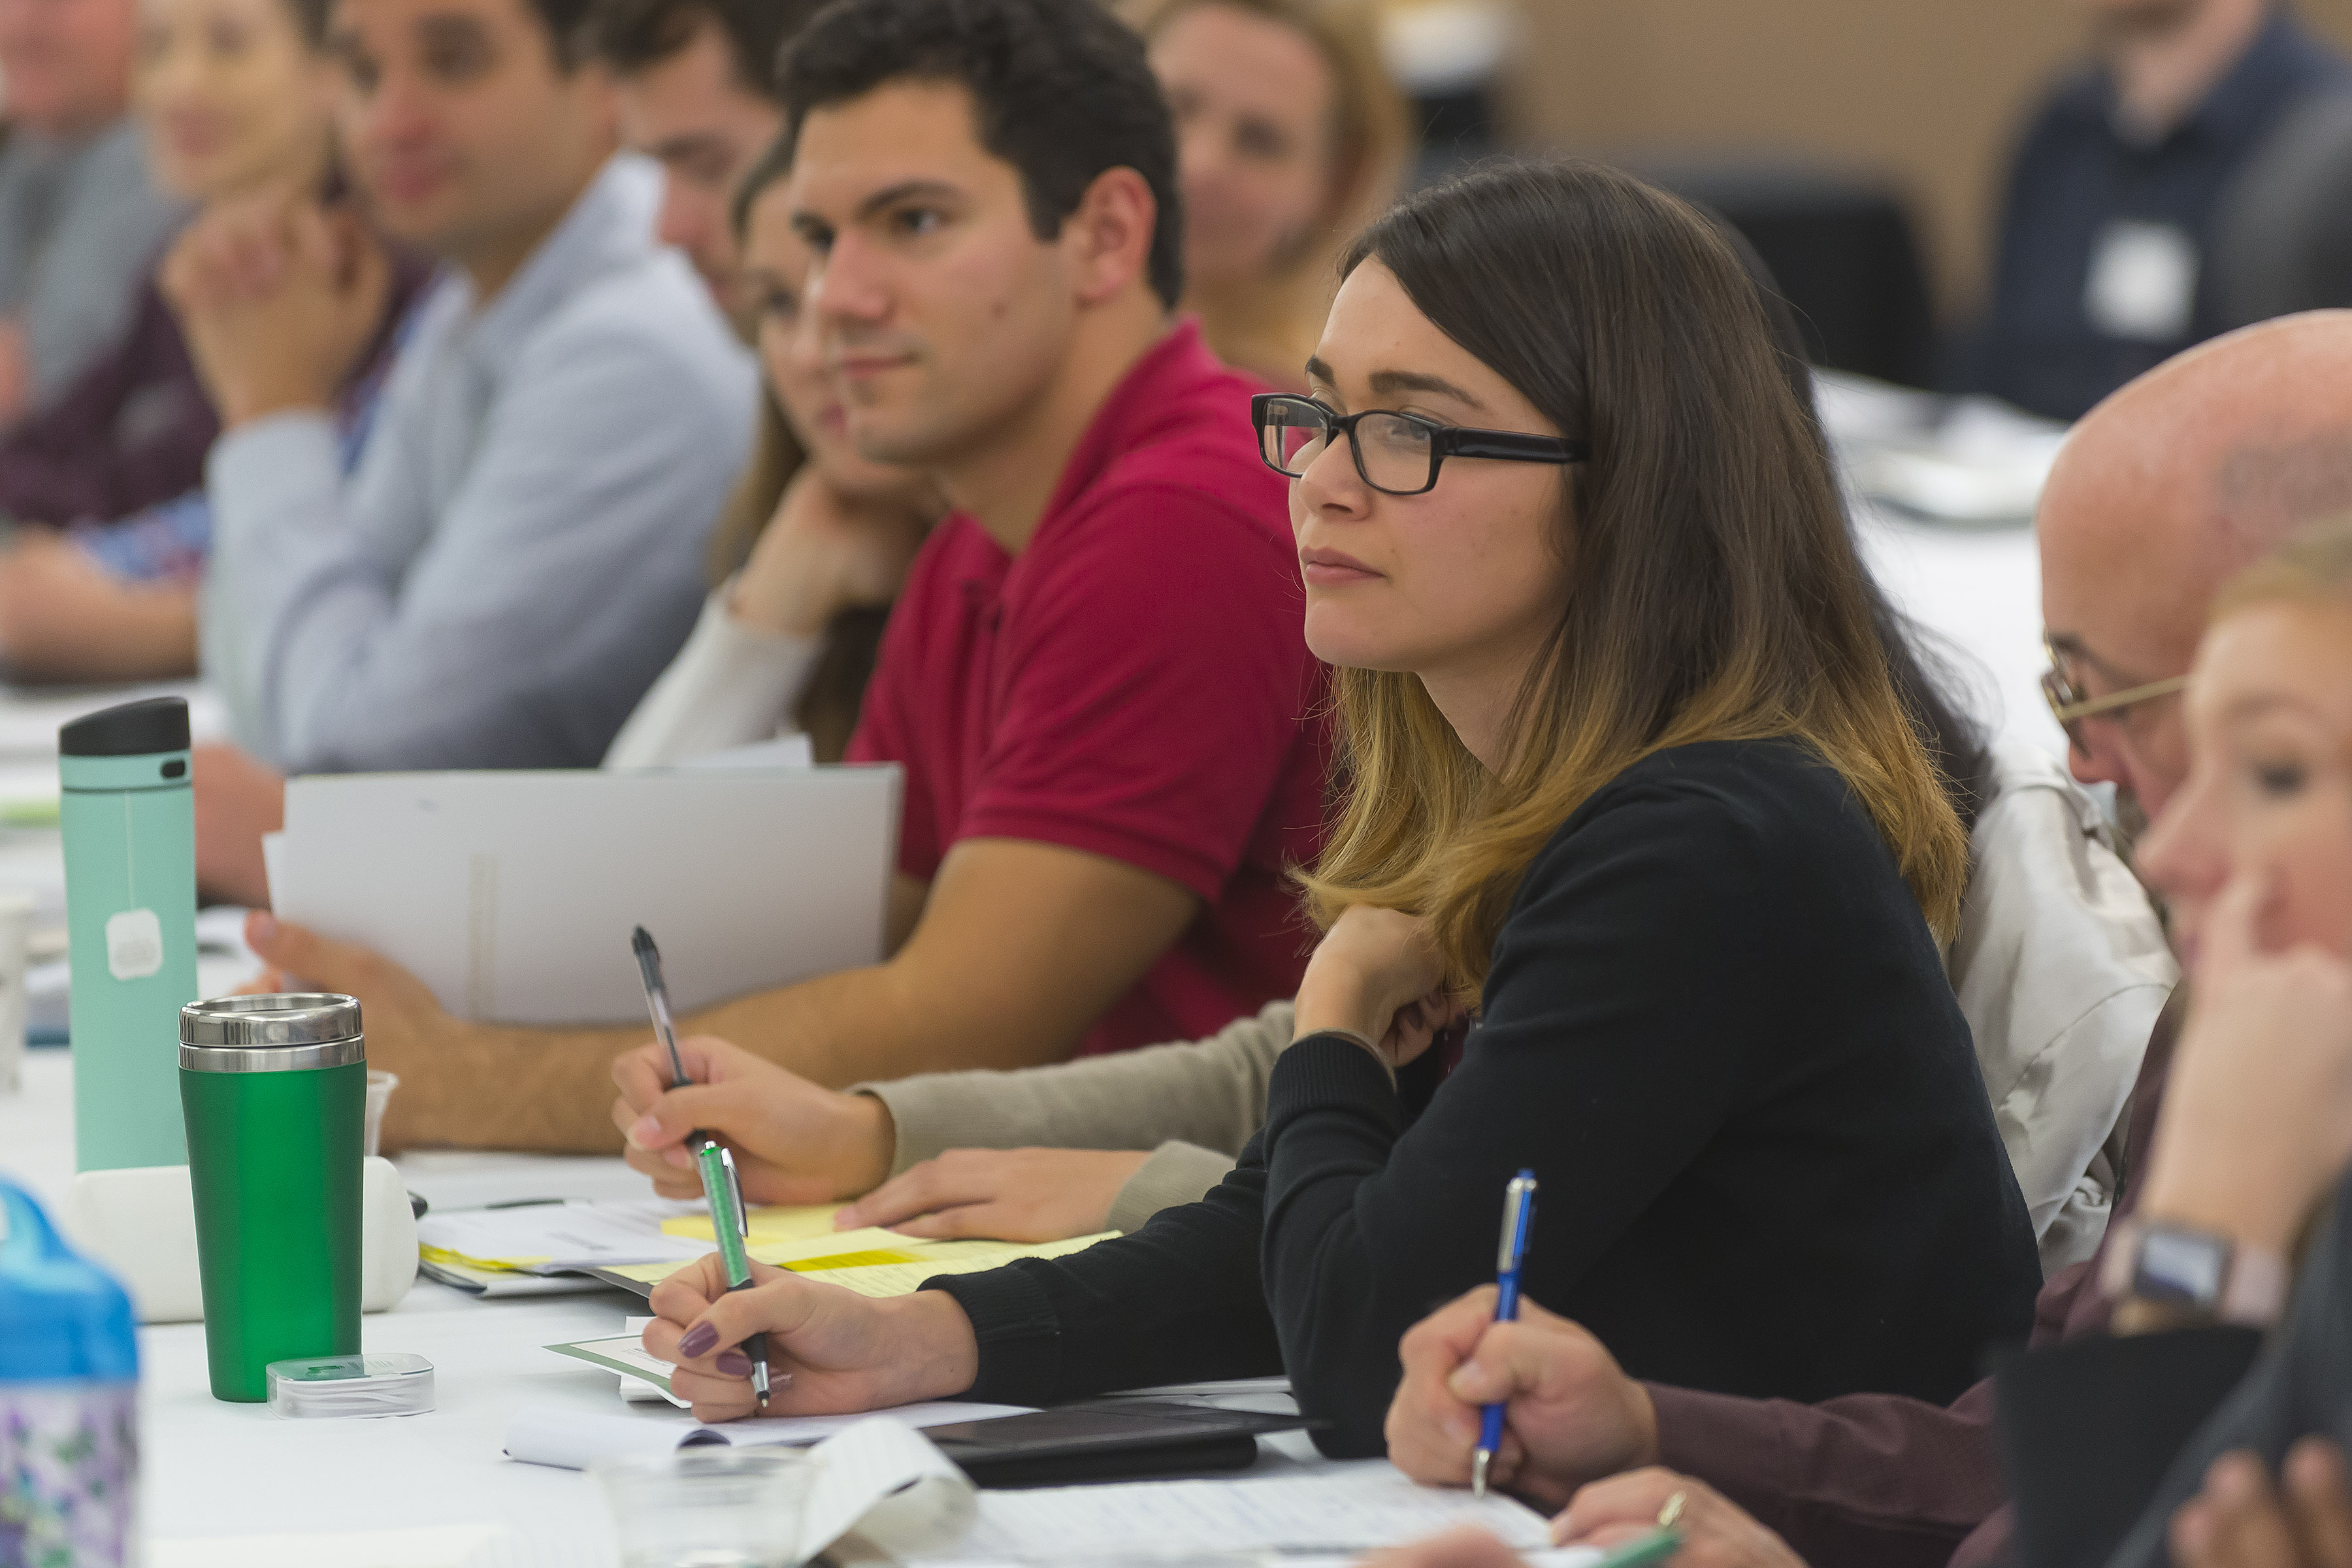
561, 1437
512, 894
1342, 1511
547, 1238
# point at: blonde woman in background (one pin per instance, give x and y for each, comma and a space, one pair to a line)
232, 99
811, 549
1290, 137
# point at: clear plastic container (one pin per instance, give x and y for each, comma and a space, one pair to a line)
713, 1507
312, 1386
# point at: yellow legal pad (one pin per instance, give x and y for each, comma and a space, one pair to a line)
875, 1262
768, 1224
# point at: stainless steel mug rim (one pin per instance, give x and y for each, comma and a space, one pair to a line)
273, 1033
272, 1058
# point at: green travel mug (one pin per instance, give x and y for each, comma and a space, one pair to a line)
275, 1093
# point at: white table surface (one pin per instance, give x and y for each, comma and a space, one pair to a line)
216, 1470
213, 1469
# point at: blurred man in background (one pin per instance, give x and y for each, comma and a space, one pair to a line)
78, 220
695, 83
2099, 273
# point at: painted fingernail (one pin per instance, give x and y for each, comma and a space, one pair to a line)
733, 1363
698, 1342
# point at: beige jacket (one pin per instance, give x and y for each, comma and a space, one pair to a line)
1193, 1105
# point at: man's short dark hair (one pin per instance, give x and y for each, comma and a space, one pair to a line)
565, 20
632, 36
1060, 88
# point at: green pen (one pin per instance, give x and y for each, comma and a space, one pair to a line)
1645, 1550
722, 1186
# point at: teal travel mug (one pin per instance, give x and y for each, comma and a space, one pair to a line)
275, 1093
130, 824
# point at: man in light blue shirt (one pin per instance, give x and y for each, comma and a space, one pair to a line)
519, 549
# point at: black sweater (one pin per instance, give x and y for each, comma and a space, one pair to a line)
1717, 1029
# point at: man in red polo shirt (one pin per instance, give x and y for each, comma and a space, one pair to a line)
1096, 679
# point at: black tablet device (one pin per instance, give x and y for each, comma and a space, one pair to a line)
1111, 1439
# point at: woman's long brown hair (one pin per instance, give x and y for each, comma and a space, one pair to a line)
1714, 594
828, 705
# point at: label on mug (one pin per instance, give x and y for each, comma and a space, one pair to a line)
134, 944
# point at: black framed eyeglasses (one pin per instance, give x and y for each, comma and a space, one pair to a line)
1396, 453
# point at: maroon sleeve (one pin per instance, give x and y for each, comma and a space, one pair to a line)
1155, 695
132, 431
1876, 1479
1870, 1480
886, 713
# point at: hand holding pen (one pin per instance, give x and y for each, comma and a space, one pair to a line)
722, 1191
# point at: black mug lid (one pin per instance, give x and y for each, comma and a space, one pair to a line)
130, 729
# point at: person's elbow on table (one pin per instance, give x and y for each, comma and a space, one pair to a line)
795, 1142
1571, 1414
831, 1351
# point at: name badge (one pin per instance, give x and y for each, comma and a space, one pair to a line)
2143, 281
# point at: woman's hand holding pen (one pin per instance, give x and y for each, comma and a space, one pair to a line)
795, 1142
830, 1351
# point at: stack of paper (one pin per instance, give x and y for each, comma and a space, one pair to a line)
639, 1243
523, 1249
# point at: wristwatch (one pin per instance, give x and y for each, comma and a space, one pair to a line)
2195, 1274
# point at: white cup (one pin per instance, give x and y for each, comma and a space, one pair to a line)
15, 934
379, 1085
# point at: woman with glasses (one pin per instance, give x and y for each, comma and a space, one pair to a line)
1626, 775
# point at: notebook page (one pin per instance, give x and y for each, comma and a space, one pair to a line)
1340, 1511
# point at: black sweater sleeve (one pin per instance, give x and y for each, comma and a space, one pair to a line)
1631, 988
1178, 1300
1706, 986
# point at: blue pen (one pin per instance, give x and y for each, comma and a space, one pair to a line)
1518, 1216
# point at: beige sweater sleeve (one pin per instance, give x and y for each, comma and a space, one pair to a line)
1194, 1105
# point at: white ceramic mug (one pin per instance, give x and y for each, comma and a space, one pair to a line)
140, 1222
